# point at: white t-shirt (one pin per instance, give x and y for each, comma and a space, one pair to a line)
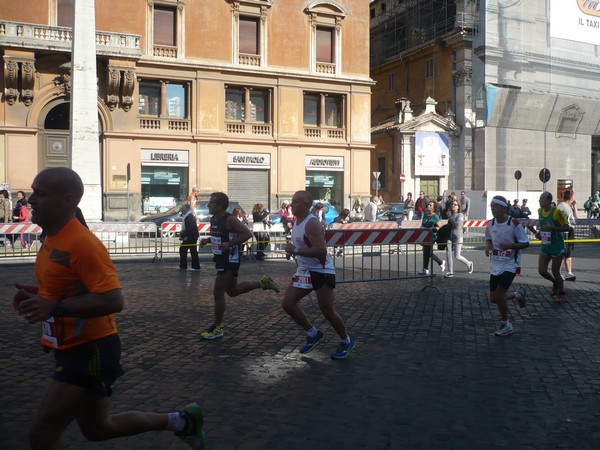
566, 209
507, 233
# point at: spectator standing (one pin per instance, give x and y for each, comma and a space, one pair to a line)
343, 218
24, 217
16, 215
189, 239
504, 240
421, 205
319, 212
315, 272
227, 233
551, 226
439, 207
454, 247
597, 197
465, 208
5, 214
525, 211
75, 302
192, 199
432, 221
409, 206
371, 210
566, 207
260, 218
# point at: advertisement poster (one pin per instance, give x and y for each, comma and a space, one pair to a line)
575, 20
431, 154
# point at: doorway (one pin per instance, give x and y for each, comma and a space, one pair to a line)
55, 143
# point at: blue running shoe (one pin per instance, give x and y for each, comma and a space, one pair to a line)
311, 342
343, 349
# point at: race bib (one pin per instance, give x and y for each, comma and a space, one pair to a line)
502, 253
215, 242
546, 237
302, 279
49, 331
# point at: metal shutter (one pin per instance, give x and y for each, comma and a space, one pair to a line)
248, 187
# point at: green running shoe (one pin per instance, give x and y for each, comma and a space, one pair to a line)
266, 282
192, 434
213, 332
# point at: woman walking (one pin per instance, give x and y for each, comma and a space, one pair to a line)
431, 220
409, 206
455, 220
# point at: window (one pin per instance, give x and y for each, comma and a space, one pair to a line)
244, 104
64, 13
391, 81
372, 13
429, 68
164, 101
164, 26
323, 110
249, 39
249, 18
324, 45
326, 36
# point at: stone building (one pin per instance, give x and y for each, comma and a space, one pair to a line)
518, 78
256, 98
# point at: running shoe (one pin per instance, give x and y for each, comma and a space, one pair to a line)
505, 329
192, 434
560, 297
266, 282
448, 275
311, 342
471, 267
443, 266
522, 299
194, 270
424, 272
213, 332
570, 277
343, 349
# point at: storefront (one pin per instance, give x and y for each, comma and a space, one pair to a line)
248, 179
325, 179
164, 179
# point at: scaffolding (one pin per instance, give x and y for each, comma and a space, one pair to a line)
404, 24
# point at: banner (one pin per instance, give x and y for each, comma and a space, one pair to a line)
431, 154
575, 20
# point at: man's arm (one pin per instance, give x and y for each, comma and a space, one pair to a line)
314, 233
36, 308
243, 232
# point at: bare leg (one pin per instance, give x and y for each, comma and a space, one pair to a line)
499, 297
291, 297
325, 299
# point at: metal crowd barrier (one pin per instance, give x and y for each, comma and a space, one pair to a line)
119, 238
377, 251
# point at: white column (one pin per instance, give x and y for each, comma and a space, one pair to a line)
84, 109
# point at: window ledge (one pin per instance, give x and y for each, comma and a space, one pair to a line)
164, 51
261, 129
326, 68
165, 124
249, 60
325, 133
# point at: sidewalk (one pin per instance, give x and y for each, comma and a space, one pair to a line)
427, 372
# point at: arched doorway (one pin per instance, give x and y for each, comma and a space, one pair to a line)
55, 146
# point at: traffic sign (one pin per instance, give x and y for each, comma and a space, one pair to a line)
376, 175
544, 175
518, 175
402, 178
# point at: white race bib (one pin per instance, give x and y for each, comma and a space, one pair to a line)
215, 242
546, 237
49, 331
302, 279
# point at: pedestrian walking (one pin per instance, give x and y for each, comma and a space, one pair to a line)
189, 239
432, 221
551, 226
505, 238
77, 297
454, 247
421, 206
567, 207
227, 234
315, 272
409, 206
465, 208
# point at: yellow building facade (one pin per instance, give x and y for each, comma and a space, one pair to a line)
255, 98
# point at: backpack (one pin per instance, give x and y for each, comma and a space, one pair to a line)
587, 205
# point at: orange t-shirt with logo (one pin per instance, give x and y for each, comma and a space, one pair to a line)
71, 263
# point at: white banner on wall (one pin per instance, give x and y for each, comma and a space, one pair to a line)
575, 20
431, 154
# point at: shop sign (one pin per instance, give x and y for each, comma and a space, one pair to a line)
249, 160
324, 163
157, 157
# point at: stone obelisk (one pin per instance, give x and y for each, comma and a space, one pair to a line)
84, 108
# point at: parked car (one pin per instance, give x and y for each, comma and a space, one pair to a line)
174, 215
391, 211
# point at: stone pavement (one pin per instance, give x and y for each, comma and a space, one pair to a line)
427, 373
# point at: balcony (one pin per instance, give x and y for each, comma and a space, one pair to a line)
249, 60
256, 129
164, 51
45, 37
326, 68
171, 124
325, 133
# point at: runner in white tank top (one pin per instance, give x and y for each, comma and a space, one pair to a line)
315, 272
